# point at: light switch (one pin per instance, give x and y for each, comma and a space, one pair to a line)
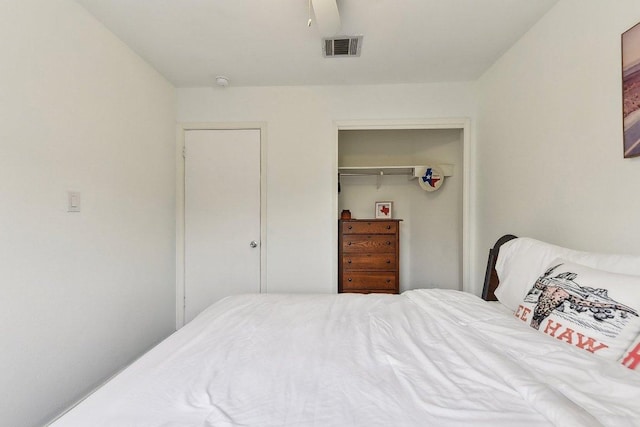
73, 198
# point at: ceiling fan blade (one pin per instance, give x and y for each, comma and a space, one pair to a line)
327, 16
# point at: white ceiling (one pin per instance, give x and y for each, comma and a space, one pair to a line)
267, 42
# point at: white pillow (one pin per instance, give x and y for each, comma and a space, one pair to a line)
521, 260
590, 309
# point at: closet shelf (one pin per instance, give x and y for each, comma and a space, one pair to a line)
447, 169
380, 171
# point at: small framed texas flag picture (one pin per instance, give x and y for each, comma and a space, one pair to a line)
383, 210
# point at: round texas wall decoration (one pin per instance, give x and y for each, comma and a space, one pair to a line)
432, 178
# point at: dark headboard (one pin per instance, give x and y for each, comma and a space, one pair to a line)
491, 278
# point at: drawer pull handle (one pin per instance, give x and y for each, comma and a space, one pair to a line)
388, 280
349, 262
350, 280
389, 243
349, 244
350, 227
388, 227
388, 261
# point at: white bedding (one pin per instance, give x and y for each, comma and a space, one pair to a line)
423, 358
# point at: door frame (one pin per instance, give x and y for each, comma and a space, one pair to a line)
181, 128
468, 227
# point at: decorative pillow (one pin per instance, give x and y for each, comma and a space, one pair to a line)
631, 356
594, 310
521, 260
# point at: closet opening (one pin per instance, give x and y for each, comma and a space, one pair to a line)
393, 164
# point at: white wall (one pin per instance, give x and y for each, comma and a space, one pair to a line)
302, 159
431, 227
82, 293
550, 134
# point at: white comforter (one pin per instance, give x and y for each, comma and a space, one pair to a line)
424, 358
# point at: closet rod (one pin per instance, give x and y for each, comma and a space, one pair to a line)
367, 174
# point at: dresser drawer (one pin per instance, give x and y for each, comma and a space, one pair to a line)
368, 243
369, 227
373, 261
372, 281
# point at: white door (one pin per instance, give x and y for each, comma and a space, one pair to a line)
222, 216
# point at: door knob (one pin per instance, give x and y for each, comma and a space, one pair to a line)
253, 244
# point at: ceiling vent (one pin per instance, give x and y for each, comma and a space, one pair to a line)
341, 46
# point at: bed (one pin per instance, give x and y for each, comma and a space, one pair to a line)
422, 358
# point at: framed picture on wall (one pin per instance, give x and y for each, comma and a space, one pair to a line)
383, 210
631, 91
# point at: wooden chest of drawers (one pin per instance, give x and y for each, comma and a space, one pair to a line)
368, 255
